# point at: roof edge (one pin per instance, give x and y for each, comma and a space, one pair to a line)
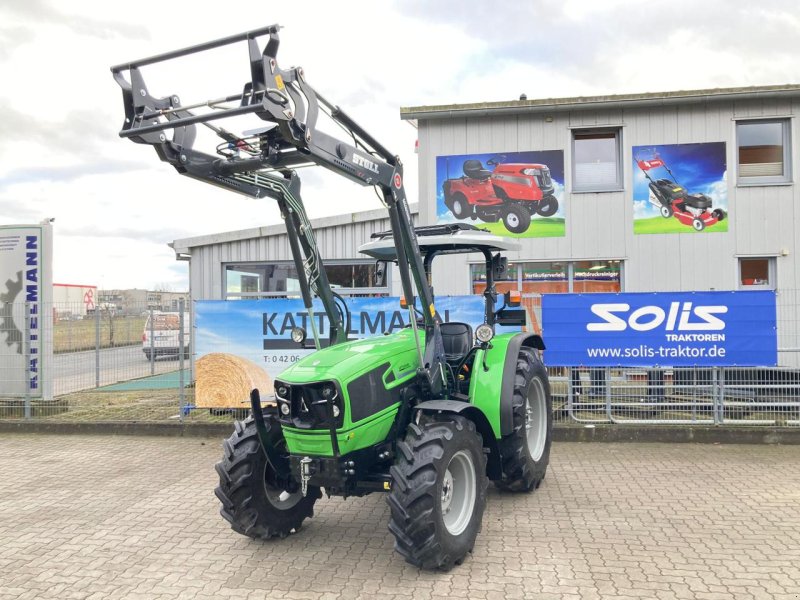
183, 247
589, 102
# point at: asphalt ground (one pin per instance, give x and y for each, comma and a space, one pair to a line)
89, 516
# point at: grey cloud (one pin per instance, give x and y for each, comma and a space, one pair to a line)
586, 48
161, 235
70, 173
42, 12
80, 130
10, 37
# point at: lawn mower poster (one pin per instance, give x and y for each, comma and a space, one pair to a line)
518, 194
680, 188
674, 329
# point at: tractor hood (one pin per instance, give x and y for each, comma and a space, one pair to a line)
346, 360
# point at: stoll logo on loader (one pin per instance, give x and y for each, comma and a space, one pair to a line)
679, 317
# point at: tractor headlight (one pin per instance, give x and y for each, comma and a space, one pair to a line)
484, 333
281, 391
328, 392
298, 335
285, 408
335, 412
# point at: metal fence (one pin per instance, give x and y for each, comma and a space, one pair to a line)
119, 364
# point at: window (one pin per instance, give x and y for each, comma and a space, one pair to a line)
581, 277
596, 164
280, 279
763, 151
536, 278
594, 276
757, 273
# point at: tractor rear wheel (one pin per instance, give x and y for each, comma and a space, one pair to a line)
525, 452
438, 492
254, 502
516, 218
548, 206
459, 206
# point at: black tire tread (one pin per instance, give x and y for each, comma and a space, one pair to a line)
239, 480
519, 475
413, 498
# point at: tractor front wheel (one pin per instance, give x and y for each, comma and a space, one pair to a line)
525, 452
698, 224
517, 219
438, 492
254, 501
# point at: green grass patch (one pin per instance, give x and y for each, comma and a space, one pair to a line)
672, 225
548, 227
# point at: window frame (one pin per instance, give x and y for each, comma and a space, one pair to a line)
569, 271
360, 291
618, 185
786, 139
772, 271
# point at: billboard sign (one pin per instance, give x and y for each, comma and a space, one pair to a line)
252, 337
26, 284
680, 329
514, 194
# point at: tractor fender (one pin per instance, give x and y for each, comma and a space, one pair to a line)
521, 340
474, 414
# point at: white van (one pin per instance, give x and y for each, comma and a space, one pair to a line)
166, 335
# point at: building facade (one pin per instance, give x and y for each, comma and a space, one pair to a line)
674, 191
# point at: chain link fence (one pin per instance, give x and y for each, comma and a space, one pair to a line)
135, 363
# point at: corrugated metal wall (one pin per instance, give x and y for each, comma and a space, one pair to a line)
600, 225
340, 241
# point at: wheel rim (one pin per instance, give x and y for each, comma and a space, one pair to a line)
512, 219
536, 419
664, 212
698, 224
458, 493
458, 209
279, 498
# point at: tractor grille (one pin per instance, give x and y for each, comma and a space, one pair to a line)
545, 180
306, 406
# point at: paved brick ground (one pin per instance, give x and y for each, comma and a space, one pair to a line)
105, 517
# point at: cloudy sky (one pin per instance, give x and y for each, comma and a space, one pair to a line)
116, 206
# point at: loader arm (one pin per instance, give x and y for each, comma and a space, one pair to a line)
263, 163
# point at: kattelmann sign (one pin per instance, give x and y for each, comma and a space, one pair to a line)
678, 329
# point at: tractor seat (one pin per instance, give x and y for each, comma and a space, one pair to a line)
699, 201
475, 170
457, 339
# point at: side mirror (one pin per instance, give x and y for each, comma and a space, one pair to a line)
379, 277
499, 266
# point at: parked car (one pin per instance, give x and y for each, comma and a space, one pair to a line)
167, 339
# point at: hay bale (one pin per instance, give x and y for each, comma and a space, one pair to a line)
225, 380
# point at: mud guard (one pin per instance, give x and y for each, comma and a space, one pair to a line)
457, 407
522, 340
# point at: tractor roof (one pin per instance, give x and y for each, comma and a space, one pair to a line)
450, 238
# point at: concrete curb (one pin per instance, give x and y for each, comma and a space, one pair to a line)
563, 433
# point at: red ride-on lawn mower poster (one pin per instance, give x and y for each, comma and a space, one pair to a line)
680, 188
514, 194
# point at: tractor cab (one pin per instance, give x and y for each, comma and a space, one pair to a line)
459, 238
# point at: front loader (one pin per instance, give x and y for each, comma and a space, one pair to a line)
427, 415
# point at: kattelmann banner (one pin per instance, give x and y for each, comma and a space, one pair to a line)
678, 329
257, 332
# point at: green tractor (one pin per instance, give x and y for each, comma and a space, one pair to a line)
428, 414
